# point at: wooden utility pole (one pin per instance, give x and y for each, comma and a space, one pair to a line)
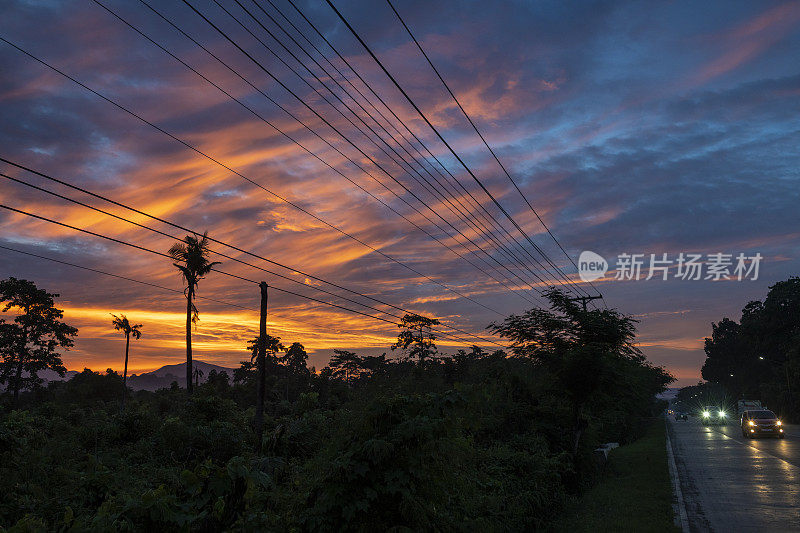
189, 296
584, 300
262, 364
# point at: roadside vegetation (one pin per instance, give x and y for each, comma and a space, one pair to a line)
633, 493
417, 440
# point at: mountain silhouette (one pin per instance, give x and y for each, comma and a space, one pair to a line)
151, 381
164, 376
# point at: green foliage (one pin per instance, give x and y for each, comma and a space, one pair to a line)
476, 441
392, 469
206, 498
88, 385
592, 356
633, 494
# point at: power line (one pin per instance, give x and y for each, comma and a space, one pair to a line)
302, 123
344, 137
123, 219
216, 161
189, 230
476, 203
235, 276
414, 172
222, 254
394, 81
483, 139
465, 217
273, 126
438, 134
279, 197
178, 291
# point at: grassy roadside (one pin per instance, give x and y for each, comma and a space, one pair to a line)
634, 493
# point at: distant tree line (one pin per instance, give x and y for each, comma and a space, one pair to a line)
758, 357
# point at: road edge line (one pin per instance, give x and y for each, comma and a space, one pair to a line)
676, 484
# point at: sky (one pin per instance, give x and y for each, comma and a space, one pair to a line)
631, 127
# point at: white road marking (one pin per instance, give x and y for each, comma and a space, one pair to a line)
676, 484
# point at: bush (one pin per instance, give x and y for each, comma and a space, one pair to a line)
473, 442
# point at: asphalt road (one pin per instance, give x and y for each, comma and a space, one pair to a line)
730, 483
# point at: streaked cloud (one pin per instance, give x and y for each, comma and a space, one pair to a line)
631, 129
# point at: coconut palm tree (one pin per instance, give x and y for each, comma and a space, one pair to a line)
191, 256
122, 324
197, 375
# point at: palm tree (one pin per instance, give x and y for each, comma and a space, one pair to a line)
191, 256
122, 324
197, 375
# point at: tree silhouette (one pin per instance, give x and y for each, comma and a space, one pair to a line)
344, 364
295, 359
294, 370
274, 346
579, 347
197, 375
29, 343
760, 355
417, 334
191, 256
122, 324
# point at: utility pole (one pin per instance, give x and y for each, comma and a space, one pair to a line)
584, 300
262, 363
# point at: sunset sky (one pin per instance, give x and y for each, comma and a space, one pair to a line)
631, 127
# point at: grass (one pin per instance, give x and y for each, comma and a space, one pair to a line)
633, 494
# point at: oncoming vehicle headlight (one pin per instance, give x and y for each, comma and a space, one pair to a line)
706, 414
722, 414
751, 423
779, 423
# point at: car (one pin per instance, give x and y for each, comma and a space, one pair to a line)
758, 422
713, 414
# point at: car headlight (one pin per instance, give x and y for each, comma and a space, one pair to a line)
722, 414
779, 423
706, 414
751, 423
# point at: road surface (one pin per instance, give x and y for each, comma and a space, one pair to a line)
730, 483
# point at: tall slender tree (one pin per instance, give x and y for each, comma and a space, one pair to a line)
197, 375
191, 256
122, 324
28, 344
